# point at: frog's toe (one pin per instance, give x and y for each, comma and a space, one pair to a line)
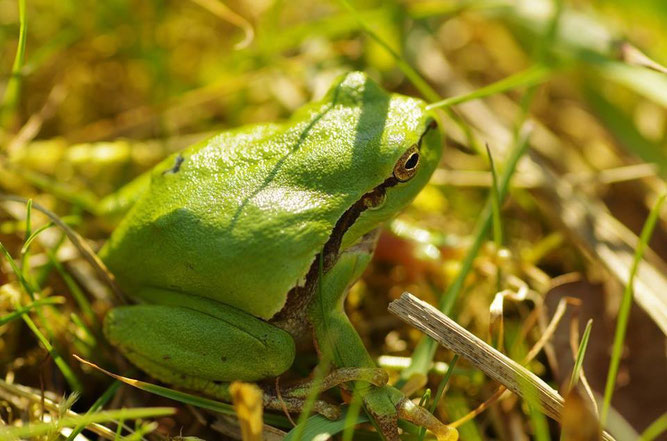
387, 425
387, 405
380, 403
409, 411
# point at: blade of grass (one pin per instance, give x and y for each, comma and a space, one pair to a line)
204, 403
530, 395
439, 392
24, 309
83, 334
17, 272
97, 405
37, 398
141, 431
495, 204
24, 253
443, 383
581, 352
624, 309
456, 406
79, 243
13, 88
35, 430
424, 88
352, 415
655, 429
497, 233
74, 289
33, 236
64, 368
317, 425
530, 77
182, 397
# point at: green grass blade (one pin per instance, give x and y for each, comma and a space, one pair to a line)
497, 221
624, 309
29, 240
443, 383
300, 428
424, 88
529, 77
13, 89
352, 415
182, 397
74, 289
457, 407
581, 352
27, 308
141, 431
495, 204
72, 380
316, 425
97, 405
64, 368
17, 271
35, 430
655, 429
650, 84
440, 391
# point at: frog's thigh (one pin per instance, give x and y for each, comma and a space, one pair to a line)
183, 339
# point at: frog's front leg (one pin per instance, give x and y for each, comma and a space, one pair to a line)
336, 337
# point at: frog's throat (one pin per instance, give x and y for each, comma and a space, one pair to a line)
299, 297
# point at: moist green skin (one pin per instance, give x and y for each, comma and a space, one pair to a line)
222, 233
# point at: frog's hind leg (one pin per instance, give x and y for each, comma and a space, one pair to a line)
198, 343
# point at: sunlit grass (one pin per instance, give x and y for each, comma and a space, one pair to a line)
624, 309
13, 88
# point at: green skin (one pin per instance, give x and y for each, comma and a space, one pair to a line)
233, 244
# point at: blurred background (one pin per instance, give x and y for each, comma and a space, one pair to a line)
107, 89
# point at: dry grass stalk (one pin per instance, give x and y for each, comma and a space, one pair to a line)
492, 362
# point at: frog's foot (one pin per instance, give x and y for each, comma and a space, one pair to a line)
296, 405
375, 376
387, 405
292, 399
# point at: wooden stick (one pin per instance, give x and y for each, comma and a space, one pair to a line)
493, 363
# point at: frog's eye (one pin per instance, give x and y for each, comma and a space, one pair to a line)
407, 165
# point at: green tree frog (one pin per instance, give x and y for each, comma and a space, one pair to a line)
242, 246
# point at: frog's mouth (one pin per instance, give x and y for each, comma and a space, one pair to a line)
300, 296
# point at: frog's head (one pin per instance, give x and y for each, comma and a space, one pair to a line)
391, 153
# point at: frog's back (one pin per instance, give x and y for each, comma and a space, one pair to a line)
194, 230
240, 218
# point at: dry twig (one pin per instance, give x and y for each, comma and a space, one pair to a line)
493, 363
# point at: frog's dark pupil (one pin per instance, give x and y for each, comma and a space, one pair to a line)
412, 161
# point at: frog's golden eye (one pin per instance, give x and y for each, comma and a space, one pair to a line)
407, 165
